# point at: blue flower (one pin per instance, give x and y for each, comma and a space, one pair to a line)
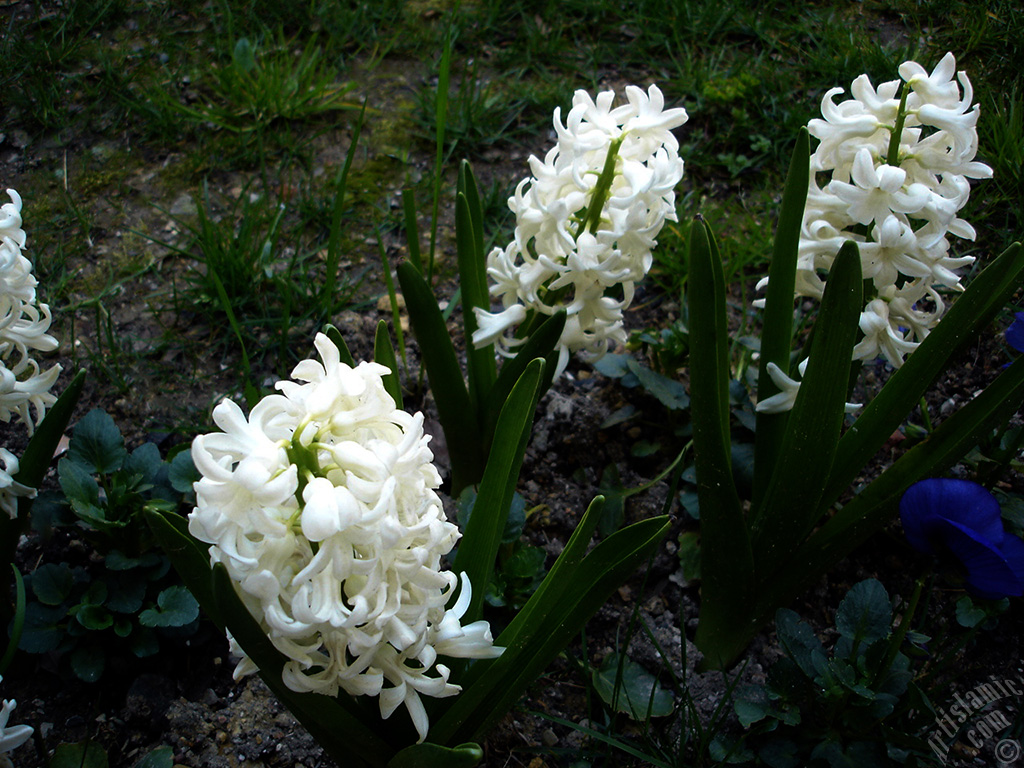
1015, 333
961, 517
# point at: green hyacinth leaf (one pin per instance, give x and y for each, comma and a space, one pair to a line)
429, 755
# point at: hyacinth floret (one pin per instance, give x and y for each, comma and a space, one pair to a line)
586, 222
321, 506
11, 736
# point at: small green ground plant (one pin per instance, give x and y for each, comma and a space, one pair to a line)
91, 615
848, 705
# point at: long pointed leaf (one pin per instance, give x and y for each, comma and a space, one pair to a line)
190, 558
541, 343
790, 504
876, 504
38, 454
480, 363
468, 186
427, 755
396, 318
458, 419
482, 537
777, 335
558, 579
384, 354
524, 626
32, 466
727, 567
339, 341
17, 623
972, 311
327, 719
600, 573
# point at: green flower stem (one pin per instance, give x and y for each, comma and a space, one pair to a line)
602, 188
925, 416
901, 633
892, 157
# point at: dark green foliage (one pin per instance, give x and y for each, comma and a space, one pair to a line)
520, 566
122, 601
627, 687
844, 706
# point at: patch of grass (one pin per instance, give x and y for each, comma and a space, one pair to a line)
745, 251
46, 59
482, 112
998, 205
987, 38
261, 83
256, 272
371, 29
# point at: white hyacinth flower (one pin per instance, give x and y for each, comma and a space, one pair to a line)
891, 172
321, 506
11, 737
24, 323
586, 222
789, 388
11, 489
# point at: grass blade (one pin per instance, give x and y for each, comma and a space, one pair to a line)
441, 120
334, 240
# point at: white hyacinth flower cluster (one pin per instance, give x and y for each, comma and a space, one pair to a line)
24, 323
586, 221
898, 159
321, 506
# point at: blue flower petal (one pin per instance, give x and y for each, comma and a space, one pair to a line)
1015, 333
963, 518
927, 503
995, 569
